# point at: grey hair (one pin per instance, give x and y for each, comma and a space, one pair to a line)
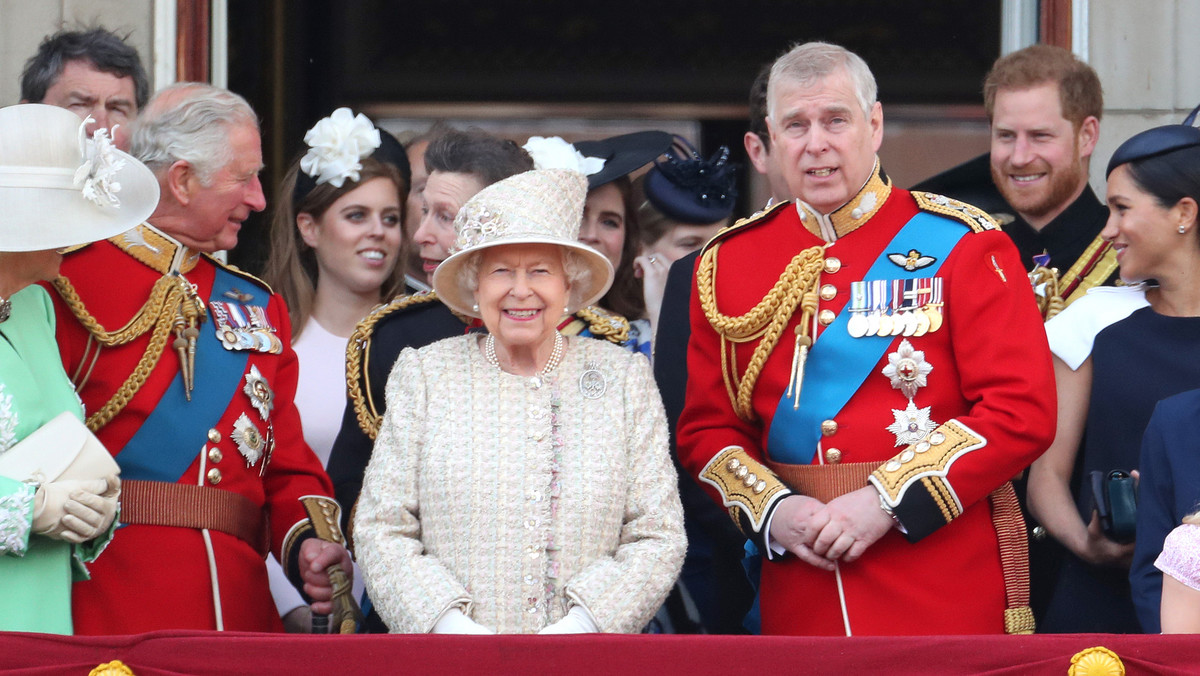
190, 121
805, 64
575, 267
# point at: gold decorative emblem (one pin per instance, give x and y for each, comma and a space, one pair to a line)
262, 397
114, 668
250, 442
1097, 661
238, 295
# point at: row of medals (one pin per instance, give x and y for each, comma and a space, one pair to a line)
910, 322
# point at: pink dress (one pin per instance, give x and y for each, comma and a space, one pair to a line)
1180, 556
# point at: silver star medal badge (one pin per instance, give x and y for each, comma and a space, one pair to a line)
262, 397
908, 371
591, 382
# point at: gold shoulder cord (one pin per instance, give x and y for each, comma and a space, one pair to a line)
604, 324
172, 304
358, 359
796, 287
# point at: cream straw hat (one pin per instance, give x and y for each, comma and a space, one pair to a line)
59, 188
543, 206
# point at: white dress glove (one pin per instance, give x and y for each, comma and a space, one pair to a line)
577, 621
454, 621
75, 510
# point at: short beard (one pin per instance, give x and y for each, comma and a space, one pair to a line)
1063, 186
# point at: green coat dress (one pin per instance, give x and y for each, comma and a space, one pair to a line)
36, 572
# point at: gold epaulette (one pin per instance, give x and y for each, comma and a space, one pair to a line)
975, 218
238, 271
358, 381
602, 324
744, 223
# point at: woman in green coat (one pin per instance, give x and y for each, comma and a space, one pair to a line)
57, 188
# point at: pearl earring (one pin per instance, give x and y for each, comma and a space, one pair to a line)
475, 307
1182, 229
567, 310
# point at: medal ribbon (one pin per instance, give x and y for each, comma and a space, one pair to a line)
838, 363
162, 449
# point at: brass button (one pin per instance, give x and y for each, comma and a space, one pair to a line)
214, 437
1039, 533
832, 265
214, 476
826, 317
833, 456
829, 427
215, 455
828, 292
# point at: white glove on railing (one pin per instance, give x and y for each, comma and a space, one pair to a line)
75, 510
454, 621
577, 621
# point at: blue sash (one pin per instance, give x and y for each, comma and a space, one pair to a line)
838, 363
161, 449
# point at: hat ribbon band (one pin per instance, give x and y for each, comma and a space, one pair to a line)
12, 176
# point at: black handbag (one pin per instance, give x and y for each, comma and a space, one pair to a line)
1115, 500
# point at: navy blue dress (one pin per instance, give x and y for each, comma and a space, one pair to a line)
1169, 490
1136, 362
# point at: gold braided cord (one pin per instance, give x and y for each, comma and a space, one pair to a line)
141, 322
604, 324
358, 359
795, 287
170, 297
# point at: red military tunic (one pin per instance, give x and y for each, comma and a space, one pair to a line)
160, 577
991, 374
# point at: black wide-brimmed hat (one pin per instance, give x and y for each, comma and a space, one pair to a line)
689, 189
624, 154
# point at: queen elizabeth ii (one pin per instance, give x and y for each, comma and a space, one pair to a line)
521, 481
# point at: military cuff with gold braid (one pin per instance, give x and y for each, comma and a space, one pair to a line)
748, 488
302, 530
914, 486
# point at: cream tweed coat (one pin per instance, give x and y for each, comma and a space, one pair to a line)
514, 499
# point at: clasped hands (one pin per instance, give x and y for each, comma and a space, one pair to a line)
821, 534
75, 510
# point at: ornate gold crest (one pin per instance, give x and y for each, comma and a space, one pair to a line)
1097, 661
114, 668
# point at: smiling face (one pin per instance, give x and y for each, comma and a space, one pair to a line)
603, 226
445, 193
108, 98
826, 144
215, 211
1144, 234
522, 294
357, 239
1039, 160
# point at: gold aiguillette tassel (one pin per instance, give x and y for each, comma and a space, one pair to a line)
181, 349
799, 357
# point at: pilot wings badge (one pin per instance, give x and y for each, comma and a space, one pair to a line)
913, 261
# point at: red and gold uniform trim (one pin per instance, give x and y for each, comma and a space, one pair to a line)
978, 219
747, 487
853, 214
926, 464
1093, 268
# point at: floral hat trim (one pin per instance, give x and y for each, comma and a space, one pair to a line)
337, 145
96, 175
555, 153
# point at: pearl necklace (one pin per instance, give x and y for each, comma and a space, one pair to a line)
556, 355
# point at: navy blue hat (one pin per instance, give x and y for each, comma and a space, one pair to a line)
689, 189
624, 154
1155, 142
